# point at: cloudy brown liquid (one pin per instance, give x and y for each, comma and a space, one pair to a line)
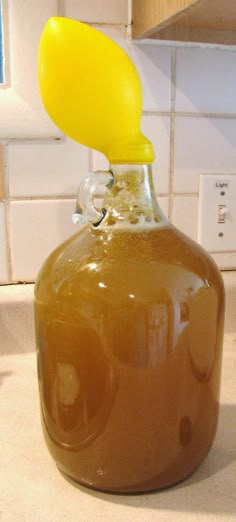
129, 332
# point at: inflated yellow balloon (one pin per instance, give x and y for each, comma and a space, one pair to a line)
91, 90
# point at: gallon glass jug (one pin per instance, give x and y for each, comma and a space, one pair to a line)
129, 325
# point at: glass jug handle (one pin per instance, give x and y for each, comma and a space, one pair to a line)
90, 198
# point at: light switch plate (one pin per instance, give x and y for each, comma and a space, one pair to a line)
217, 212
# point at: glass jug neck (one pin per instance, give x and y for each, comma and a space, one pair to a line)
140, 175
131, 199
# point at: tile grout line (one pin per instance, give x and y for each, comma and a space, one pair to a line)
106, 25
186, 114
3, 203
172, 132
129, 21
25, 199
43, 197
61, 7
91, 161
2, 190
185, 194
7, 211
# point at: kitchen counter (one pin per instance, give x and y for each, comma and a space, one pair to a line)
33, 490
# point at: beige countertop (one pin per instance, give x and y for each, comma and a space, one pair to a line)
33, 490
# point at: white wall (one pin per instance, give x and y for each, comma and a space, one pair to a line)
189, 114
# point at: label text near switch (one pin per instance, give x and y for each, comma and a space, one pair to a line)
223, 184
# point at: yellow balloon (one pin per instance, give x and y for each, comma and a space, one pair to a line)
91, 90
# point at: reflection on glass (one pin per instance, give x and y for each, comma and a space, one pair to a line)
102, 285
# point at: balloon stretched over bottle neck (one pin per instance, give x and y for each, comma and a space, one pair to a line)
91, 90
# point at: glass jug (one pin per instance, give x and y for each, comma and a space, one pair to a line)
129, 326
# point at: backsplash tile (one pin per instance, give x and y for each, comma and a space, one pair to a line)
3, 245
2, 192
46, 169
104, 11
164, 205
157, 129
99, 161
36, 228
154, 68
202, 146
184, 216
205, 81
226, 260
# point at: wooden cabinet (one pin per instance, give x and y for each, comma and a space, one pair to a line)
209, 21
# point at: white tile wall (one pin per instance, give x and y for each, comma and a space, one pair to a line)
2, 188
102, 11
157, 129
154, 68
164, 205
185, 211
205, 81
46, 169
203, 146
36, 228
226, 260
99, 161
3, 246
190, 116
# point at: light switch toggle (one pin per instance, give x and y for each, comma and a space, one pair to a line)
222, 209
